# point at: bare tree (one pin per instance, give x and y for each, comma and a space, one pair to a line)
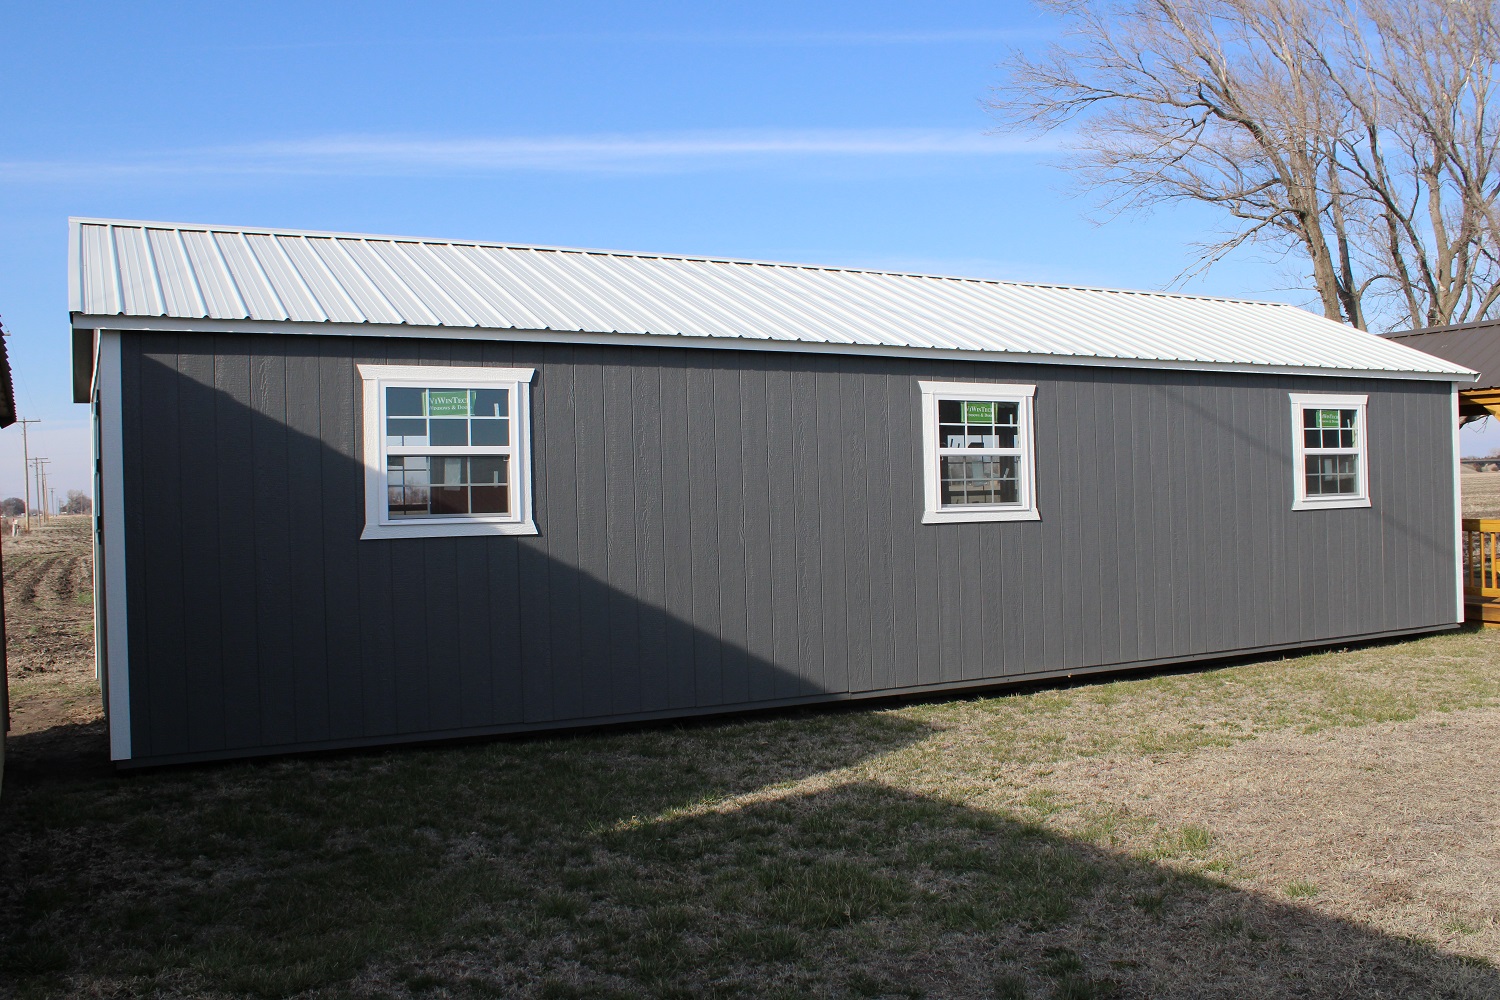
1359, 134
78, 502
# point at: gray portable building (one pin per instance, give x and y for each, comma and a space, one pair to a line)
357, 490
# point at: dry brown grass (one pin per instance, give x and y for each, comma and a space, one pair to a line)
1320, 825
1481, 492
1395, 826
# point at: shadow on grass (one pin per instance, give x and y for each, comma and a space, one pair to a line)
65, 750
269, 877
624, 865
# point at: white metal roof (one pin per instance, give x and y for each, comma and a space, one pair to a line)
145, 275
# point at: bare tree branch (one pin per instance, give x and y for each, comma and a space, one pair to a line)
1358, 134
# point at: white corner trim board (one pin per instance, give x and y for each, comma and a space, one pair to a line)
1020, 454
381, 456
111, 420
1458, 515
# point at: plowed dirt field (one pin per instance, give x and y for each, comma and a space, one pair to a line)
56, 718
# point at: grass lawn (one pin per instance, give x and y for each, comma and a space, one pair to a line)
1320, 825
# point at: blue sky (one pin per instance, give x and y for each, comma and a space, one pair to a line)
847, 133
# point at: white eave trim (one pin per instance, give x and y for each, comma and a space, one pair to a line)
75, 269
177, 325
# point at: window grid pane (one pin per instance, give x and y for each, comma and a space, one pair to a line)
447, 485
1329, 427
475, 482
978, 423
1331, 449
447, 418
987, 480
978, 444
1331, 475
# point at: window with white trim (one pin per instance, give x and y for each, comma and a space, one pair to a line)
978, 452
447, 451
1330, 465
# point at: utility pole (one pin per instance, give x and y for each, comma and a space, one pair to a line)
39, 464
26, 453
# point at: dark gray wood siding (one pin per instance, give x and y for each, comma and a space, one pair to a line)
724, 529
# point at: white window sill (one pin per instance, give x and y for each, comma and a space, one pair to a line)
449, 529
1343, 503
970, 516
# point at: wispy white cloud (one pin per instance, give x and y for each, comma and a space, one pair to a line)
832, 39
627, 151
375, 155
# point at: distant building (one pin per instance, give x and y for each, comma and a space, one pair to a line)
361, 490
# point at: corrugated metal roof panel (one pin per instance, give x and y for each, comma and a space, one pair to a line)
331, 297
1473, 345
212, 273
470, 269
98, 266
215, 282
136, 269
251, 280
395, 292
138, 287
442, 266
421, 283
175, 276
370, 303
292, 291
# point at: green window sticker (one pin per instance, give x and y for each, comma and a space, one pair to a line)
979, 411
449, 403
1328, 419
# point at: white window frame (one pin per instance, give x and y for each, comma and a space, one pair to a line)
1319, 401
1001, 392
378, 522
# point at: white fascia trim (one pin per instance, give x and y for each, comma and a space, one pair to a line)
112, 484
174, 325
476, 376
1458, 516
933, 512
1360, 402
978, 390
1328, 399
75, 270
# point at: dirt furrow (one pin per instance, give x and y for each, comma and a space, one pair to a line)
21, 583
52, 584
